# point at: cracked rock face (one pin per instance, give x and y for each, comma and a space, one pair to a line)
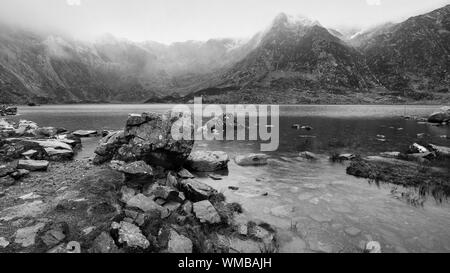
148, 137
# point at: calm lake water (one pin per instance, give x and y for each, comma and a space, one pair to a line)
315, 206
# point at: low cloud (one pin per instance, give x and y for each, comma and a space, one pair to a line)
373, 2
73, 2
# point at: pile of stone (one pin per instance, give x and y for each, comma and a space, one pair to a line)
165, 207
25, 147
8, 110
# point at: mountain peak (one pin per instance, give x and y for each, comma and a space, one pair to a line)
293, 20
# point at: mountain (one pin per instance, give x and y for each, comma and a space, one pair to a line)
49, 68
294, 57
294, 60
412, 57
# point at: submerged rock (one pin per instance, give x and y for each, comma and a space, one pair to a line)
251, 159
308, 155
207, 161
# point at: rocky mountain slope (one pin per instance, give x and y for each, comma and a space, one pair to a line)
294, 60
412, 57
296, 55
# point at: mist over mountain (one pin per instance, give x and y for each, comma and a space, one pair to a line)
294, 60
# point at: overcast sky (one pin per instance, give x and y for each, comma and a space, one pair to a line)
179, 20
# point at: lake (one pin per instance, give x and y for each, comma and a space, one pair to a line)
315, 206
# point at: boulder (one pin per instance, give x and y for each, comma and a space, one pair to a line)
207, 161
19, 173
46, 131
150, 139
343, 157
108, 146
85, 133
26, 236
13, 148
164, 192
440, 150
206, 212
137, 172
417, 148
185, 174
178, 243
443, 115
251, 159
6, 170
145, 204
130, 235
196, 190
33, 165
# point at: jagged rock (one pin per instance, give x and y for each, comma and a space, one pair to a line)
207, 161
251, 159
85, 133
55, 234
150, 139
104, 244
137, 172
164, 192
33, 165
416, 148
13, 148
185, 174
440, 150
126, 194
171, 180
178, 243
187, 207
26, 236
206, 212
46, 131
19, 173
3, 242
6, 170
130, 235
172, 206
196, 190
443, 115
108, 146
145, 204
308, 155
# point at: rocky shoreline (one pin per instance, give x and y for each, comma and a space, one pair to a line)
134, 196
141, 191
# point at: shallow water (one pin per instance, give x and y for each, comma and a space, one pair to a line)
311, 203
